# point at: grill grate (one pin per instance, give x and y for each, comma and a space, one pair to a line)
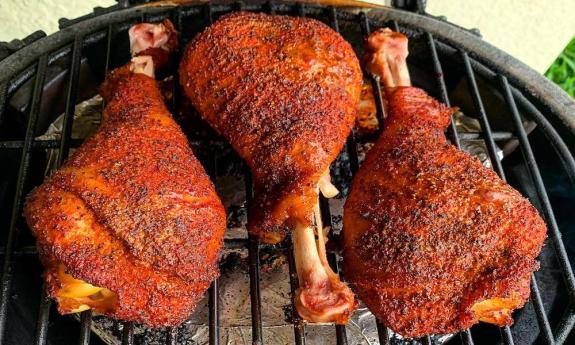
118, 21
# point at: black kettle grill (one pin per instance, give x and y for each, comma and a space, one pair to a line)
520, 116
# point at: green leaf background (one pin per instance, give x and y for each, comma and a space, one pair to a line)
562, 71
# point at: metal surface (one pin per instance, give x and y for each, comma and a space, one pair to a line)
6, 281
524, 93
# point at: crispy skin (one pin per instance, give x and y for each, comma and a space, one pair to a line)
430, 232
132, 210
284, 92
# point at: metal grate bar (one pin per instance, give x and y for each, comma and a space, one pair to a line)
3, 95
214, 315
71, 96
452, 130
128, 333
364, 25
26, 250
544, 325
351, 143
300, 10
44, 315
37, 144
254, 271
375, 82
178, 16
6, 281
383, 333
298, 324
497, 136
237, 243
214, 290
380, 109
333, 23
394, 26
269, 7
172, 336
466, 337
485, 127
255, 295
109, 38
179, 25
351, 148
85, 327
565, 326
209, 13
340, 331
238, 6
507, 336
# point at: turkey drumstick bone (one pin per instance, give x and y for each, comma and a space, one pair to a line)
388, 64
322, 297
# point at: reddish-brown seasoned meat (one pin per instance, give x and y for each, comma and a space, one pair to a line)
434, 241
131, 225
284, 92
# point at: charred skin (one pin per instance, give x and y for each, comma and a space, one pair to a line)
131, 225
435, 242
284, 92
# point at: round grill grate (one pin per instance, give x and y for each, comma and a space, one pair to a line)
518, 115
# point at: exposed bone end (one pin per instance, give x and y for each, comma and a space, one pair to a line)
386, 57
327, 301
145, 36
322, 297
142, 65
156, 40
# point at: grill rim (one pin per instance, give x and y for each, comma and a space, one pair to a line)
520, 75
81, 37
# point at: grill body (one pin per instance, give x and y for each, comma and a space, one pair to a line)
529, 118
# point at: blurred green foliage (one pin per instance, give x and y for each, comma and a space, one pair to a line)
562, 71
